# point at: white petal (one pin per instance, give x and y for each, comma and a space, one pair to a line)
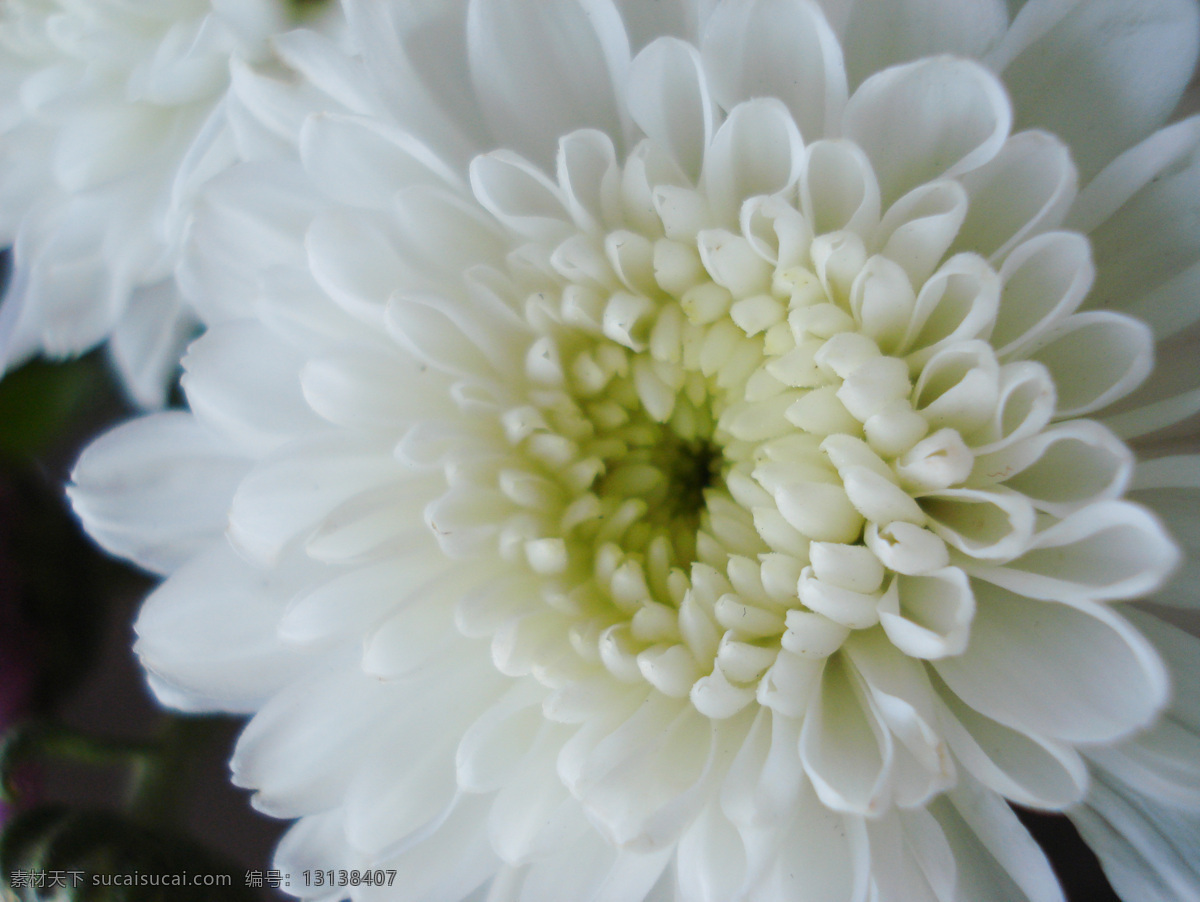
711, 862
449, 863
882, 34
71, 297
400, 794
417, 68
156, 490
1168, 486
244, 383
1160, 764
520, 195
262, 206
821, 855
910, 853
1139, 167
533, 816
918, 228
757, 150
1062, 468
646, 21
1146, 850
1071, 352
1045, 279
957, 303
669, 100
405, 788
208, 633
148, 341
1026, 405
492, 748
313, 843
371, 391
765, 776
929, 616
589, 177
325, 66
593, 871
1153, 277
1027, 188
901, 689
985, 524
1101, 74
290, 494
540, 72
351, 602
444, 234
447, 334
959, 385
838, 189
924, 120
353, 260
1077, 673
996, 856
362, 161
777, 48
647, 798
1029, 770
1107, 550
418, 628
846, 751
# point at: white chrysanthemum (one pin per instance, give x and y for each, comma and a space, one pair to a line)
110, 117
711, 508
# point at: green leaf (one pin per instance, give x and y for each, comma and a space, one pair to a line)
40, 402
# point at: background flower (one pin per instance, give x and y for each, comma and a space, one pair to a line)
111, 118
782, 343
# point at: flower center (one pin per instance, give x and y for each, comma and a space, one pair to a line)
736, 442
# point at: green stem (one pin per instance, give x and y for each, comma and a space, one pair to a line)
159, 783
34, 739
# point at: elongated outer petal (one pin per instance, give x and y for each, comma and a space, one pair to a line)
155, 490
846, 750
541, 71
995, 855
450, 862
266, 206
712, 860
591, 869
1108, 550
777, 48
935, 117
669, 100
1153, 276
1026, 769
207, 638
1027, 188
823, 855
362, 162
1143, 816
244, 384
882, 34
148, 340
289, 495
1169, 486
646, 21
1147, 851
1077, 673
910, 847
411, 55
1101, 74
